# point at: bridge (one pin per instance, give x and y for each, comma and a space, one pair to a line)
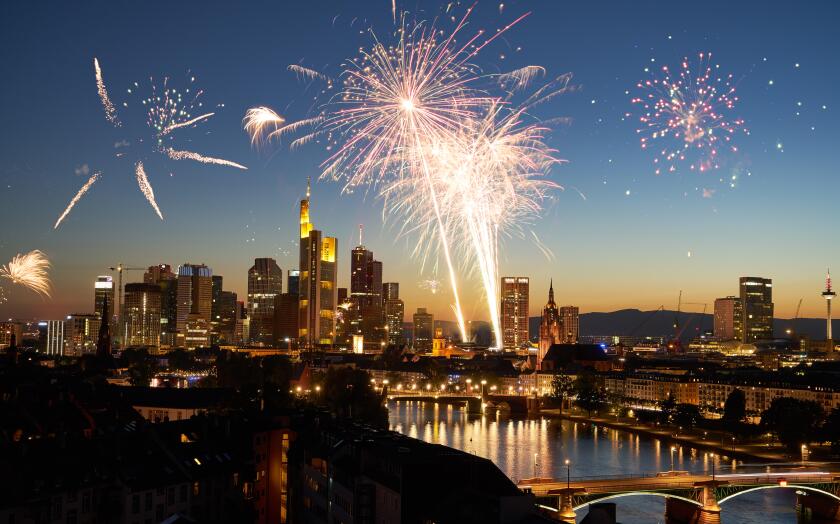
474, 403
689, 498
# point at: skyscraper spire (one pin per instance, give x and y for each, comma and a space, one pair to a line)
308, 186
361, 228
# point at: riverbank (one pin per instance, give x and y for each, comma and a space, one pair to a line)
694, 439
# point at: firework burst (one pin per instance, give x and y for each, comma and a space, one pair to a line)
30, 270
404, 117
687, 116
166, 109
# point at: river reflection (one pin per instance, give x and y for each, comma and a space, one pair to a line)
528, 447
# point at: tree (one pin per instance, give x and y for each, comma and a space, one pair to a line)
735, 407
687, 415
668, 408
180, 359
562, 387
141, 372
589, 396
831, 429
348, 394
795, 422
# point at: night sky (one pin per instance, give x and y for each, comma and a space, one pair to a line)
621, 235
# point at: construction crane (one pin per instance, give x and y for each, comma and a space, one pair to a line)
675, 343
118, 306
792, 329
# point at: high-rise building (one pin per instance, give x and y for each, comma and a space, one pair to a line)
80, 333
344, 315
424, 330
293, 282
514, 317
142, 315
286, 309
318, 275
757, 303
103, 287
215, 314
55, 337
394, 312
570, 322
228, 318
195, 298
728, 318
265, 281
366, 295
550, 327
167, 281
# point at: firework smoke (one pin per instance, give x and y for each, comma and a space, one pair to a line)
30, 271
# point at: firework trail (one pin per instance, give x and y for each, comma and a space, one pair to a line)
257, 120
173, 127
107, 105
305, 73
690, 113
84, 189
146, 188
191, 155
30, 270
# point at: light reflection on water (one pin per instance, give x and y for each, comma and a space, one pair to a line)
528, 447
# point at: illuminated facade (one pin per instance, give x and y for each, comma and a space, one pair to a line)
424, 329
366, 295
549, 326
265, 282
729, 319
103, 288
55, 337
757, 303
514, 312
80, 334
570, 323
195, 298
318, 289
394, 313
142, 315
167, 281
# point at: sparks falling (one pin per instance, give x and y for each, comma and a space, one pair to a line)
84, 189
687, 116
30, 271
191, 155
260, 123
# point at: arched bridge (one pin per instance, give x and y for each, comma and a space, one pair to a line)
689, 497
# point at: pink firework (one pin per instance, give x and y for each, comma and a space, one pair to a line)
687, 116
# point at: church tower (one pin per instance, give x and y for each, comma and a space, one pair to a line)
550, 328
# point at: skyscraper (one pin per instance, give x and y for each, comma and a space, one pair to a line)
167, 281
103, 287
265, 281
228, 318
394, 312
142, 315
293, 285
550, 327
514, 318
570, 323
55, 337
215, 314
317, 281
757, 303
195, 297
286, 309
728, 318
366, 295
424, 330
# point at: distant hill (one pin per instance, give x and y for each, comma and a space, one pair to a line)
649, 323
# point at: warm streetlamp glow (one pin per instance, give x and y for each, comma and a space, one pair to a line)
568, 473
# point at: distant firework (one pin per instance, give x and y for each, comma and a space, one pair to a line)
405, 117
30, 271
165, 109
687, 117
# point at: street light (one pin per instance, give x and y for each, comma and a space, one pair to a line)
568, 473
673, 449
535, 465
713, 466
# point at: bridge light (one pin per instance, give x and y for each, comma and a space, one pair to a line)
782, 483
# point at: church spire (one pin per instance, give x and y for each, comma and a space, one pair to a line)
551, 292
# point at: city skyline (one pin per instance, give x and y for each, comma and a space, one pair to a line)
602, 262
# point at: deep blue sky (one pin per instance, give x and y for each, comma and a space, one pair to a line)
612, 249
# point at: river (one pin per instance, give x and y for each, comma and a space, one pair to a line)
528, 447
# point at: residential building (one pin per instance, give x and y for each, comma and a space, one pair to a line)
728, 321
